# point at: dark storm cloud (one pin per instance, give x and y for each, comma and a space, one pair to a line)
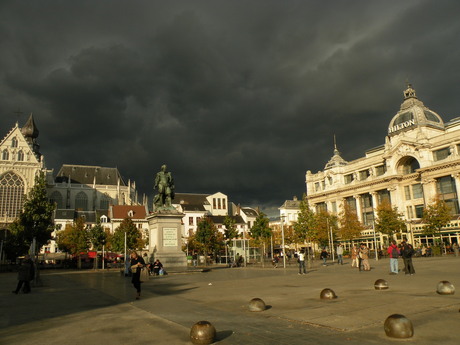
240, 97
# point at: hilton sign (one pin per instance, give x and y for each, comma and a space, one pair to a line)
401, 126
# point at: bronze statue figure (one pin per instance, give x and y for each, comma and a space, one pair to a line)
165, 185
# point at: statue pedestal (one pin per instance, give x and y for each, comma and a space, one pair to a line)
165, 240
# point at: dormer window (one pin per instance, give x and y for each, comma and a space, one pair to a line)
130, 213
103, 219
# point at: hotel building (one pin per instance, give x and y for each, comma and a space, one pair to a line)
419, 160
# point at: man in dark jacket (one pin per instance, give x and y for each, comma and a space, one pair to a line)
407, 251
25, 275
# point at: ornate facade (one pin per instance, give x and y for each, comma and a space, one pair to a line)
20, 162
419, 161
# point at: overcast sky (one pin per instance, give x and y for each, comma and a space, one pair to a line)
241, 97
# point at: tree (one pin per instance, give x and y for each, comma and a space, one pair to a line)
350, 226
97, 237
389, 221
74, 238
134, 239
230, 231
325, 224
306, 221
436, 216
305, 225
36, 219
261, 232
207, 236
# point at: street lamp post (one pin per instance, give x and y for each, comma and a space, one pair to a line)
375, 242
282, 240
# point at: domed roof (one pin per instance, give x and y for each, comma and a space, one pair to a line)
413, 113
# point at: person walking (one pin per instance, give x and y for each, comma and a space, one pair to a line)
301, 258
407, 251
354, 256
136, 266
324, 256
393, 251
25, 275
340, 254
364, 255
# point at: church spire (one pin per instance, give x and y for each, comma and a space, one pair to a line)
30, 132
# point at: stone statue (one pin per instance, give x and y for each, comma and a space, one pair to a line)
165, 185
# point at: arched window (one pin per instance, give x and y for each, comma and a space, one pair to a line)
105, 201
56, 198
14, 142
20, 156
408, 165
5, 155
81, 201
11, 194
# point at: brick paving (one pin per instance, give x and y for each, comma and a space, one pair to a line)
77, 307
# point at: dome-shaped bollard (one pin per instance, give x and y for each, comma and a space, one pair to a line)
381, 284
398, 326
202, 333
445, 288
256, 304
327, 294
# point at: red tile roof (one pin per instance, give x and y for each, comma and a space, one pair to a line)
122, 211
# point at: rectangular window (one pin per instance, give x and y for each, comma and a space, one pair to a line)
317, 186
348, 178
453, 206
407, 192
383, 196
364, 174
441, 154
418, 211
351, 202
366, 200
368, 218
224, 206
190, 220
445, 185
417, 191
321, 207
214, 204
380, 170
334, 207
410, 212
219, 205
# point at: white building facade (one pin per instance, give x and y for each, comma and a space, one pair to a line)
419, 160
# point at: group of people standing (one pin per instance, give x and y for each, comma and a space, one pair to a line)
406, 251
360, 257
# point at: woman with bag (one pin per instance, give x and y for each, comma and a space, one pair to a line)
137, 263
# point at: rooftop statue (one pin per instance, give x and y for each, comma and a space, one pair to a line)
164, 183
